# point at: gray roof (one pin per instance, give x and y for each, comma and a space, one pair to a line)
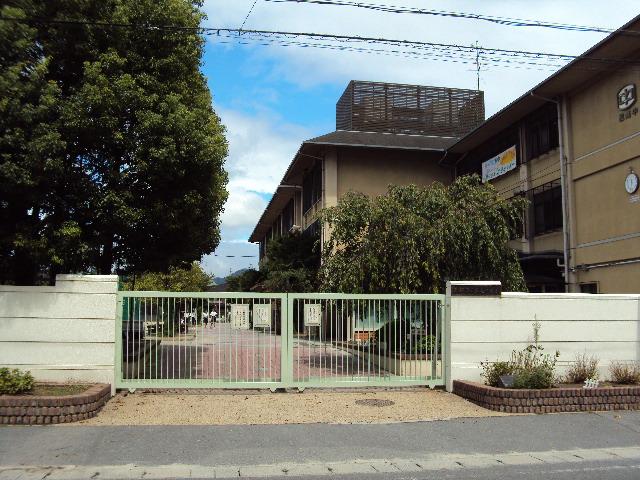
344, 138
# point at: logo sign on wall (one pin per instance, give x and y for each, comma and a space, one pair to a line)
627, 96
499, 165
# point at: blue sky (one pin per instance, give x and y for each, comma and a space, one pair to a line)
271, 98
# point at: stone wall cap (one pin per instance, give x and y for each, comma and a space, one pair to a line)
72, 277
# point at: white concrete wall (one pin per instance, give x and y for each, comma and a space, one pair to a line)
61, 333
489, 328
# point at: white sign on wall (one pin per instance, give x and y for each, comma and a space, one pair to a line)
240, 316
312, 314
262, 316
499, 165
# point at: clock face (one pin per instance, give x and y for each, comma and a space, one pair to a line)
631, 183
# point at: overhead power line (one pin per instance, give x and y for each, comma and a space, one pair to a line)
248, 14
411, 48
456, 57
512, 22
488, 53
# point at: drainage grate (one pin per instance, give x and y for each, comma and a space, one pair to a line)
374, 402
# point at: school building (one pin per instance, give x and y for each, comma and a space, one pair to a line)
571, 145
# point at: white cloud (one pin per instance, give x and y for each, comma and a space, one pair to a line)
260, 149
261, 146
240, 211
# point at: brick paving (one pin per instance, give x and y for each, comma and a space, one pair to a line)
220, 352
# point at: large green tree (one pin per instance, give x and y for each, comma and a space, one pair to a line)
291, 265
140, 147
192, 279
413, 239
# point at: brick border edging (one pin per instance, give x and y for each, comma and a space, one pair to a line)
552, 400
45, 410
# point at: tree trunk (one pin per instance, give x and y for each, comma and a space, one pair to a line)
105, 262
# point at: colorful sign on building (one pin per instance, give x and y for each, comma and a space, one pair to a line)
499, 165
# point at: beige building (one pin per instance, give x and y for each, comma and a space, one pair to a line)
571, 145
576, 138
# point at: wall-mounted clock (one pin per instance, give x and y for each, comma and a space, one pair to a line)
631, 183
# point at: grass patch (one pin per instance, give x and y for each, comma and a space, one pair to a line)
56, 390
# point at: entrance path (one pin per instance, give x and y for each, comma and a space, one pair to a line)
250, 408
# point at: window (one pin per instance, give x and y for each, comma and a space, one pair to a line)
591, 287
542, 132
313, 230
312, 187
287, 217
547, 207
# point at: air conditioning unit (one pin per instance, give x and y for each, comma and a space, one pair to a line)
295, 229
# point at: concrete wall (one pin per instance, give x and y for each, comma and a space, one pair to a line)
489, 328
61, 333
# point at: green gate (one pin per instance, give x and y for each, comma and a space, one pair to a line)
253, 340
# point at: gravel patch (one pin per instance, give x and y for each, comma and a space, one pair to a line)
256, 408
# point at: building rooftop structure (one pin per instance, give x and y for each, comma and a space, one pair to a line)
409, 109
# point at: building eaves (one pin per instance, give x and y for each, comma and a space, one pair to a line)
345, 138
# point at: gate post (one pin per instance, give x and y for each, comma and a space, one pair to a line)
286, 347
446, 340
117, 363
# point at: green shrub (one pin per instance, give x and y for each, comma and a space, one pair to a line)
625, 373
14, 381
491, 372
426, 344
539, 376
583, 368
531, 367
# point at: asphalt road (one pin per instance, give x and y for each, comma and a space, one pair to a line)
534, 446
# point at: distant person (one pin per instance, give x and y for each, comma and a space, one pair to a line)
214, 317
205, 320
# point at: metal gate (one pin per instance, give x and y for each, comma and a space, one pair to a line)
252, 340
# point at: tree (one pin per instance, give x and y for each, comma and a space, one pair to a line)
192, 279
413, 239
30, 151
139, 146
291, 265
243, 281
